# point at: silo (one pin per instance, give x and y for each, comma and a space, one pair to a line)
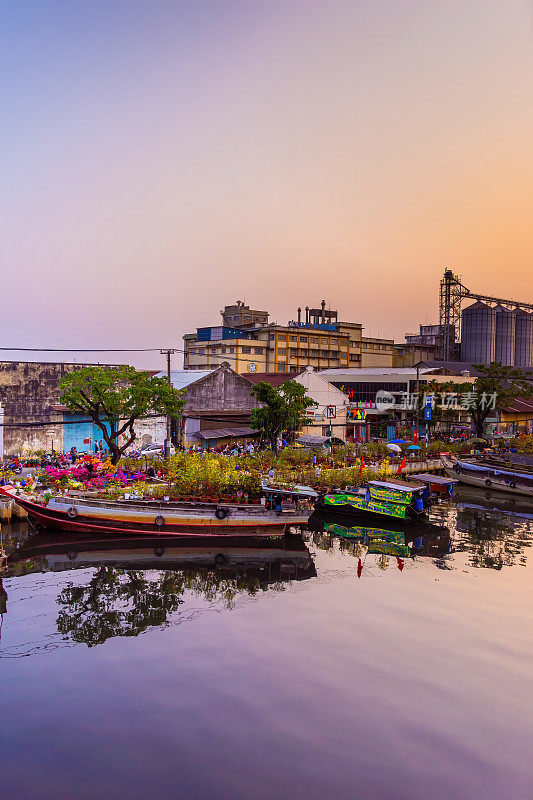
505, 335
478, 334
523, 339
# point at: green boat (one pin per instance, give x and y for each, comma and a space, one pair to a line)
362, 533
392, 498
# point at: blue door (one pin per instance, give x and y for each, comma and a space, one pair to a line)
78, 433
391, 432
81, 433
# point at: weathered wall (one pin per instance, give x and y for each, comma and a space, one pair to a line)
223, 391
29, 393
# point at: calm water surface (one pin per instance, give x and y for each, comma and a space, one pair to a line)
313, 669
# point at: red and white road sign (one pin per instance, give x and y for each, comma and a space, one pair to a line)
331, 412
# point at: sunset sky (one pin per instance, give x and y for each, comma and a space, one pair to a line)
161, 159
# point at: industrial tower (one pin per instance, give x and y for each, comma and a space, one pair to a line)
452, 294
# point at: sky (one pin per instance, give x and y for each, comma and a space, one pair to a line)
162, 159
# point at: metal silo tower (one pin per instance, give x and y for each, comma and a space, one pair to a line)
478, 337
524, 339
505, 336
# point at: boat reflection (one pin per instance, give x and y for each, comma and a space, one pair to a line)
361, 541
136, 584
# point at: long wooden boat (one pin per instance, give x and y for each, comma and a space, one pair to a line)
489, 477
154, 517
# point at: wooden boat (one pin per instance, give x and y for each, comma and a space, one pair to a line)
441, 488
488, 476
155, 517
400, 500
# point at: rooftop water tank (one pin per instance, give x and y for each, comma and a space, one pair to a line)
478, 334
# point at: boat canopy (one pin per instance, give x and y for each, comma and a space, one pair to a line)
303, 491
398, 486
438, 480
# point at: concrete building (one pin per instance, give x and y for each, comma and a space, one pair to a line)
433, 336
218, 404
34, 419
409, 355
328, 417
376, 352
319, 340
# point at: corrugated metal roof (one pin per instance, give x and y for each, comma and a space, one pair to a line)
274, 378
181, 378
372, 372
226, 433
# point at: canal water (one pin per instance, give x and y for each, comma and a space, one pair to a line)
331, 664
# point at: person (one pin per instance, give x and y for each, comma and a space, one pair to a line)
73, 454
271, 473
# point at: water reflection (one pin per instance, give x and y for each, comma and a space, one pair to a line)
137, 584
391, 547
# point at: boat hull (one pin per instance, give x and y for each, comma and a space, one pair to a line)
75, 515
483, 481
365, 517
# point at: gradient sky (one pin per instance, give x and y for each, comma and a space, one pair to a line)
161, 159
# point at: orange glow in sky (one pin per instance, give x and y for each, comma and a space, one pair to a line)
162, 160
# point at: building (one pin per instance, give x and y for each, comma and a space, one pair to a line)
409, 355
320, 340
433, 336
218, 405
376, 352
241, 316
34, 419
517, 419
328, 417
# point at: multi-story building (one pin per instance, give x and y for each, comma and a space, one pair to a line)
433, 336
376, 352
320, 341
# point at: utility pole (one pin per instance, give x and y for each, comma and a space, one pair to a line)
417, 398
168, 353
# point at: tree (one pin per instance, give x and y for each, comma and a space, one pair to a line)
496, 387
116, 397
118, 602
282, 410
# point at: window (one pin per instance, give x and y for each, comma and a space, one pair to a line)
282, 351
293, 369
294, 353
314, 339
303, 339
282, 338
334, 342
281, 366
293, 338
223, 349
343, 344
246, 349
259, 350
232, 349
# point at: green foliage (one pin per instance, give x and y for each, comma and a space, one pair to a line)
211, 475
119, 396
507, 383
282, 410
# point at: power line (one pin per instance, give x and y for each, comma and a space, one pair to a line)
87, 350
